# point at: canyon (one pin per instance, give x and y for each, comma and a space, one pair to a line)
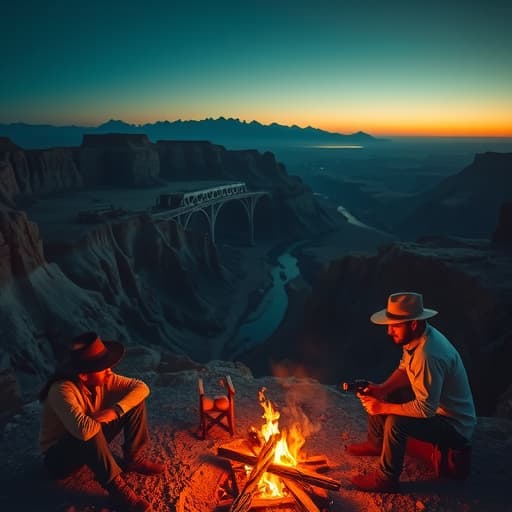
153, 283
176, 300
133, 278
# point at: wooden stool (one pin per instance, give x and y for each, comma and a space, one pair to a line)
219, 410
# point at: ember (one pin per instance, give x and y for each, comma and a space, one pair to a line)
275, 475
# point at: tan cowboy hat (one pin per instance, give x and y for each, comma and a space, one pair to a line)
89, 353
403, 307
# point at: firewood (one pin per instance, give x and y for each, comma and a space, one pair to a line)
299, 474
259, 503
303, 475
319, 492
302, 498
242, 503
314, 460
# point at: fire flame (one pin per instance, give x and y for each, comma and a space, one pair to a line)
287, 450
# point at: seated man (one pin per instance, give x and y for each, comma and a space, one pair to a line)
85, 405
441, 410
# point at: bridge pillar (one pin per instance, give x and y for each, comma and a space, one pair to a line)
210, 213
249, 204
214, 211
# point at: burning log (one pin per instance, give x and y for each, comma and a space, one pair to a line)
286, 502
315, 460
242, 502
301, 496
277, 477
302, 474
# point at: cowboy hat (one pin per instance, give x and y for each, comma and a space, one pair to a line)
403, 307
89, 353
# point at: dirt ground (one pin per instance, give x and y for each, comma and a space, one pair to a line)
193, 469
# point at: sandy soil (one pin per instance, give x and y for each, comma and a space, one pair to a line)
193, 469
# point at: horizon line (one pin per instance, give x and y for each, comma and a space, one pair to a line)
294, 125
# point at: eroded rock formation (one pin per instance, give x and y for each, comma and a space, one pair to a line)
121, 160
21, 249
132, 278
465, 204
36, 171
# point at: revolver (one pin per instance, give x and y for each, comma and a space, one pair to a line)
355, 386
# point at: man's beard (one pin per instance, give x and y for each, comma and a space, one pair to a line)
410, 337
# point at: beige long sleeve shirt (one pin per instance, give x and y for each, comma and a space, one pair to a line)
68, 407
439, 381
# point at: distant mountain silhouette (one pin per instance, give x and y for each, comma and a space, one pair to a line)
228, 132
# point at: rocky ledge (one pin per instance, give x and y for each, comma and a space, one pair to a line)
193, 470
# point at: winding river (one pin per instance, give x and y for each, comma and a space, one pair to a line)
265, 319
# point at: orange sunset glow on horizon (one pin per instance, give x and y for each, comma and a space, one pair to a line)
385, 69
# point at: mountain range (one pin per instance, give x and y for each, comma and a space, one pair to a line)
230, 132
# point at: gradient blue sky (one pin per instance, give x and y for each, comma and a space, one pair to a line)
388, 68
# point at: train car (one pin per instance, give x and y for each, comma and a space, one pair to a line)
180, 199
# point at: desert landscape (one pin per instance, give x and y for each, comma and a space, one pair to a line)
231, 190
178, 300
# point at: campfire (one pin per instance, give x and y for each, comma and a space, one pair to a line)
269, 470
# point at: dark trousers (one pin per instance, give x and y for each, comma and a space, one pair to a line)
392, 431
69, 453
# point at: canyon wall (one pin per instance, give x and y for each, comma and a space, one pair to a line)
117, 160
26, 173
136, 279
294, 210
465, 204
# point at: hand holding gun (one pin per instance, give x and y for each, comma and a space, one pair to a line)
356, 386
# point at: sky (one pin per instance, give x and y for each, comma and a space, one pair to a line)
386, 67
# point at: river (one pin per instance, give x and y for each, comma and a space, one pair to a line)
266, 318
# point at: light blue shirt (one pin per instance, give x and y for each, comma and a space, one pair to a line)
439, 381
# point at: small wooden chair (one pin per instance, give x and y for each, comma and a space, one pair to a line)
219, 410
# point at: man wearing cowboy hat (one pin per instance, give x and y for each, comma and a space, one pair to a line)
85, 405
441, 410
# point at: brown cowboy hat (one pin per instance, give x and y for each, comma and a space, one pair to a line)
89, 353
403, 307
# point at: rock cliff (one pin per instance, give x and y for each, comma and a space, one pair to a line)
132, 278
465, 204
36, 171
136, 280
21, 249
118, 160
13, 171
131, 160
293, 205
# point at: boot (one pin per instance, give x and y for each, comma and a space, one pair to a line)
144, 467
375, 482
124, 498
363, 449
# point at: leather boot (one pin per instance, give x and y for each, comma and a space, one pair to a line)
124, 497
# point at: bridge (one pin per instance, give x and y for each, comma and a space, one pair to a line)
181, 205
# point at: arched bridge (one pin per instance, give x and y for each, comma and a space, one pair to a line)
180, 206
